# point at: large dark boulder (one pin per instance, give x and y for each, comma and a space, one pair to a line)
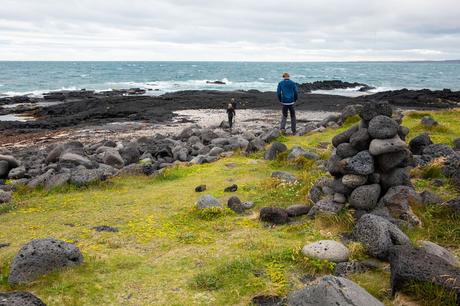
331, 290
374, 109
361, 164
20, 299
274, 215
418, 143
409, 264
378, 235
42, 256
383, 127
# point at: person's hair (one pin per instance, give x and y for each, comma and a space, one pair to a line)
230, 105
286, 75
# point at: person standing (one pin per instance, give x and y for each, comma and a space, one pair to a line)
287, 95
231, 114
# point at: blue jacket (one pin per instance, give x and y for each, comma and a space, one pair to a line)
287, 92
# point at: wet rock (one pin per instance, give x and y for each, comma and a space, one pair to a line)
208, 201
327, 250
274, 215
374, 109
360, 140
42, 256
200, 188
378, 235
383, 127
284, 177
353, 180
418, 143
332, 290
275, 149
428, 121
344, 136
297, 210
409, 264
232, 188
437, 250
361, 164
105, 228
365, 197
383, 146
20, 299
345, 150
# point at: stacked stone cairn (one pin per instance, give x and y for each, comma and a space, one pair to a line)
370, 166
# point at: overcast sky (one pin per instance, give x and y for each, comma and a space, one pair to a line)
242, 30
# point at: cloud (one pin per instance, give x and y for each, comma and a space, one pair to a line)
289, 30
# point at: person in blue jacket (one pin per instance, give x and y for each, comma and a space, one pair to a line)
287, 95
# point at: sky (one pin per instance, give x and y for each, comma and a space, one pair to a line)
237, 30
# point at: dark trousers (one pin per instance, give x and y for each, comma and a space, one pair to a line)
230, 120
291, 110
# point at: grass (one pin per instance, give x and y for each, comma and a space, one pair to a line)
169, 253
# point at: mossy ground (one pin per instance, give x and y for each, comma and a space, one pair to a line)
167, 253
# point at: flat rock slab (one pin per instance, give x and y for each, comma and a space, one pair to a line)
331, 290
327, 249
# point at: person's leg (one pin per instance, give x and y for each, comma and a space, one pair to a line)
284, 118
230, 120
293, 119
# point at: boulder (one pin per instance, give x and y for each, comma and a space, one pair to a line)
74, 147
361, 164
208, 201
344, 136
200, 188
70, 160
315, 194
437, 250
428, 121
180, 153
338, 187
378, 235
383, 127
353, 180
388, 161
429, 197
395, 177
336, 165
297, 210
113, 158
16, 173
275, 149
274, 215
4, 169
42, 256
297, 152
216, 151
403, 132
12, 162
82, 177
398, 201
365, 197
327, 250
235, 204
409, 264
328, 206
270, 135
255, 145
438, 150
360, 139
339, 198
374, 109
41, 179
418, 143
345, 150
382, 146
232, 188
5, 197
284, 177
331, 290
456, 143
57, 180
20, 299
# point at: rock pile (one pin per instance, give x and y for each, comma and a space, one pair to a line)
370, 165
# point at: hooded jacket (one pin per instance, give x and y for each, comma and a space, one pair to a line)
287, 92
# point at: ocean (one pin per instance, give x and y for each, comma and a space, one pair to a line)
35, 78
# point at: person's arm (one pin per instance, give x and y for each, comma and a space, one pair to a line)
296, 93
278, 92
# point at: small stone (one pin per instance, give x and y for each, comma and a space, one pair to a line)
354, 180
340, 198
105, 228
428, 121
284, 176
327, 250
297, 210
232, 188
248, 205
5, 197
274, 215
274, 150
200, 188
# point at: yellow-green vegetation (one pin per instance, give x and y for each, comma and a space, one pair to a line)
169, 253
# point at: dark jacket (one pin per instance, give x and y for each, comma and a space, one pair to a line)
287, 92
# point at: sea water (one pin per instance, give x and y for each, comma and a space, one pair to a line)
35, 78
